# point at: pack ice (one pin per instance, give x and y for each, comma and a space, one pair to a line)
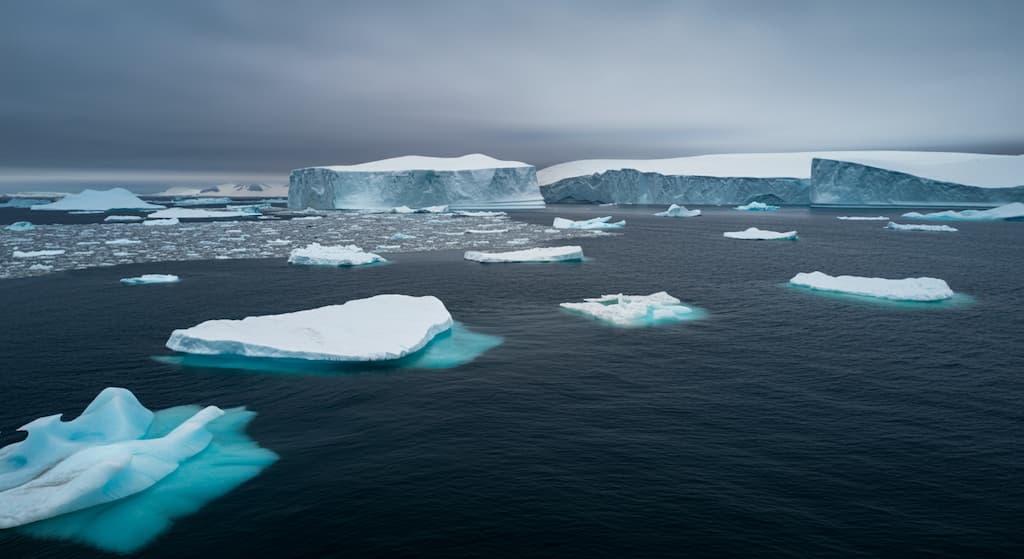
907, 289
633, 310
467, 182
99, 201
545, 254
755, 234
380, 328
316, 254
1012, 211
598, 223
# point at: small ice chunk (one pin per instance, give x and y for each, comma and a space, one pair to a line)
755, 234
160, 222
151, 278
117, 242
401, 237
919, 227
122, 218
316, 254
546, 254
678, 211
1014, 210
40, 268
308, 218
757, 207
907, 289
633, 310
596, 223
21, 226
37, 253
380, 328
862, 218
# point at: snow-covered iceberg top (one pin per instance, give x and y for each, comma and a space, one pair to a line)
962, 168
907, 289
20, 226
598, 223
316, 254
380, 328
676, 210
1007, 211
199, 213
121, 455
755, 234
99, 201
634, 310
151, 278
470, 162
756, 207
862, 218
919, 227
545, 254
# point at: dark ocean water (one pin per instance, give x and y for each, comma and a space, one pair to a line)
784, 424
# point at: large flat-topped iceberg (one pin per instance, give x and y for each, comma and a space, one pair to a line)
467, 182
380, 328
99, 201
908, 289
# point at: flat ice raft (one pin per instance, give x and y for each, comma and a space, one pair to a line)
919, 227
598, 223
908, 289
151, 278
755, 234
546, 254
316, 254
380, 328
634, 310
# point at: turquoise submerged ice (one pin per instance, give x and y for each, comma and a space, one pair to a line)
118, 475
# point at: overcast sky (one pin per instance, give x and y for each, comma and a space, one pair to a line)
258, 87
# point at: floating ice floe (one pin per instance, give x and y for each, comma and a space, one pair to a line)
465, 213
40, 268
198, 213
37, 253
907, 289
116, 476
1007, 211
756, 207
20, 226
161, 222
401, 237
24, 202
634, 310
116, 242
201, 201
122, 218
676, 210
755, 234
99, 201
426, 210
597, 223
151, 278
308, 218
919, 227
316, 254
545, 254
862, 218
380, 328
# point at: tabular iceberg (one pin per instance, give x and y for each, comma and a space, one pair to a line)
151, 278
467, 182
598, 223
99, 201
546, 254
316, 254
380, 328
908, 289
676, 210
755, 234
916, 227
1014, 211
634, 310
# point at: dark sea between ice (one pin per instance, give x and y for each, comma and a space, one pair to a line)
785, 423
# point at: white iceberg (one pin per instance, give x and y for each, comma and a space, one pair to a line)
676, 210
198, 213
201, 201
119, 242
122, 218
919, 227
546, 254
37, 253
380, 328
598, 223
756, 207
316, 254
634, 310
20, 226
161, 222
151, 278
1007, 211
907, 289
862, 218
466, 213
427, 210
401, 237
755, 234
99, 201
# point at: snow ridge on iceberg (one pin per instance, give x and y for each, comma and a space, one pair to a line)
921, 289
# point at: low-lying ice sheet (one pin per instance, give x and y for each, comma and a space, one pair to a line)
919, 227
755, 234
598, 223
1005, 212
676, 210
921, 289
757, 207
546, 254
634, 310
151, 278
380, 328
316, 254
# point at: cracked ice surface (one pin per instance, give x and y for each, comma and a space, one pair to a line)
109, 244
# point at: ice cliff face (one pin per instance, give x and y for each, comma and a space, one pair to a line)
468, 182
845, 183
